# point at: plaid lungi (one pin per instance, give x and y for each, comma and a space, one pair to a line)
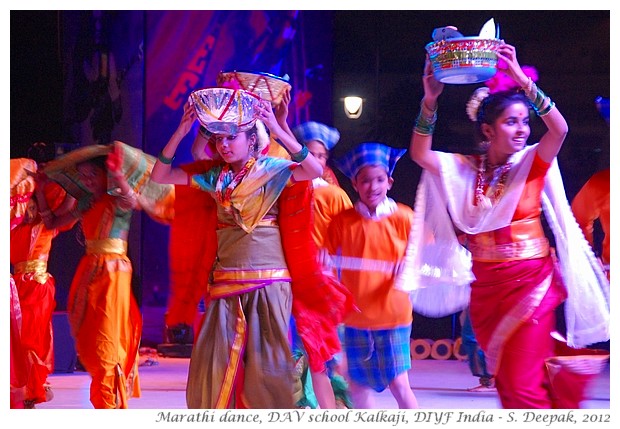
376, 357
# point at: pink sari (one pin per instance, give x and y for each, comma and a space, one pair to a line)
512, 307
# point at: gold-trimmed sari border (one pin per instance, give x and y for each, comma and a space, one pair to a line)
235, 358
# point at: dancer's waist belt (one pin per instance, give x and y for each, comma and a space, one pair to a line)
264, 222
526, 249
106, 245
37, 267
234, 282
523, 239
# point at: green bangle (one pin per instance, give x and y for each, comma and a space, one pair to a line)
423, 124
164, 159
547, 109
301, 155
537, 98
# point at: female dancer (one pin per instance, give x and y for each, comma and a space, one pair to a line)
241, 357
496, 199
104, 315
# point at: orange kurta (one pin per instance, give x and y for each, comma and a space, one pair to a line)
592, 203
381, 244
104, 316
329, 200
330, 177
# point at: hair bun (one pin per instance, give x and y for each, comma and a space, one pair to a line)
473, 105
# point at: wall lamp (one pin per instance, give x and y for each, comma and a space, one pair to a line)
353, 107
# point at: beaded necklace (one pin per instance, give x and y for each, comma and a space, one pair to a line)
497, 183
227, 179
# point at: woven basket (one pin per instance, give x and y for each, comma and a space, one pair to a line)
464, 60
267, 86
579, 364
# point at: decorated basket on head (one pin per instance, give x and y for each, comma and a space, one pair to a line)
225, 110
267, 86
464, 60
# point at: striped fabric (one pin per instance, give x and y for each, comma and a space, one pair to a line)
361, 264
376, 357
309, 131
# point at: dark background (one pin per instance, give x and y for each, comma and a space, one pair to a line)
378, 55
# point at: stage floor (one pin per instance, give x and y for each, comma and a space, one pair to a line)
437, 384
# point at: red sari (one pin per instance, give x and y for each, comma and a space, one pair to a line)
513, 306
30, 247
18, 355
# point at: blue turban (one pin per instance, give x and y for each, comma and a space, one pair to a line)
370, 153
309, 131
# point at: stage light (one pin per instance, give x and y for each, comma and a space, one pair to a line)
353, 106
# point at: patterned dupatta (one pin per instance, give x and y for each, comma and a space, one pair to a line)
257, 189
227, 182
155, 199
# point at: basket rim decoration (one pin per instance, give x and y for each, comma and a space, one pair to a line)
464, 60
266, 85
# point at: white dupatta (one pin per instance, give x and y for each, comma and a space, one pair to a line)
437, 269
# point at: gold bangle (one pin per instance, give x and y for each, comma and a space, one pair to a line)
529, 85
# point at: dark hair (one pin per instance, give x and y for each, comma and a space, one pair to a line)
251, 131
42, 152
494, 105
248, 133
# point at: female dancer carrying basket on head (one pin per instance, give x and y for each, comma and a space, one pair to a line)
496, 199
241, 357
